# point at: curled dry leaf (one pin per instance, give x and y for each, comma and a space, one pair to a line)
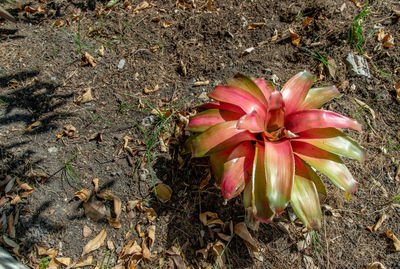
201, 83
83, 195
145, 251
224, 237
274, 36
151, 235
141, 6
101, 51
37, 175
388, 41
58, 23
163, 192
98, 137
295, 37
42, 250
69, 131
331, 210
96, 242
84, 98
96, 184
110, 245
147, 90
242, 232
307, 21
151, 214
397, 89
208, 218
130, 249
24, 186
87, 59
205, 181
375, 265
247, 51
95, 209
29, 9
132, 204
378, 224
32, 126
396, 242
254, 26
139, 230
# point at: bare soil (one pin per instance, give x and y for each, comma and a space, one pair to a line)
172, 46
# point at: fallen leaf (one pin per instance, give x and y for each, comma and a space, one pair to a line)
151, 214
147, 90
205, 181
32, 126
101, 51
96, 136
241, 230
132, 204
110, 245
86, 231
332, 211
151, 235
58, 23
358, 3
69, 131
83, 195
96, 184
27, 189
37, 175
254, 26
29, 9
375, 265
275, 36
388, 41
307, 21
141, 6
42, 250
201, 83
397, 89
209, 5
130, 249
332, 67
295, 37
87, 59
139, 230
96, 242
163, 192
224, 237
10, 225
167, 24
247, 51
83, 262
9, 242
208, 218
145, 251
63, 260
396, 242
95, 209
85, 98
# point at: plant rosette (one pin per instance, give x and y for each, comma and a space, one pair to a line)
268, 144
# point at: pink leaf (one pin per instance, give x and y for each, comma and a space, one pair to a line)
295, 90
208, 118
244, 82
240, 98
302, 169
309, 119
279, 170
332, 140
217, 138
267, 87
305, 202
328, 164
223, 106
316, 97
251, 122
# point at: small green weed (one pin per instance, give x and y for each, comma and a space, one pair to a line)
44, 262
355, 34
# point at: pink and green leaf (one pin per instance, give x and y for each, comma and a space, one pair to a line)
333, 140
218, 138
244, 82
254, 195
210, 117
305, 202
251, 122
239, 97
314, 118
328, 164
223, 106
295, 91
279, 172
267, 87
317, 97
302, 169
235, 176
5, 14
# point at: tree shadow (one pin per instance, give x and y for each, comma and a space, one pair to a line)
37, 101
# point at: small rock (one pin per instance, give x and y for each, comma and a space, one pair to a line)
119, 172
121, 64
203, 96
52, 150
358, 65
274, 78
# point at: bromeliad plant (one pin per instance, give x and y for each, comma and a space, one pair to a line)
265, 143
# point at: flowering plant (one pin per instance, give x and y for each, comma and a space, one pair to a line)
268, 144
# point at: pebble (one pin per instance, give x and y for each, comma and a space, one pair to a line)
52, 150
121, 63
358, 65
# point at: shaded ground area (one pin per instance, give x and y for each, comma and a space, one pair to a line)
154, 62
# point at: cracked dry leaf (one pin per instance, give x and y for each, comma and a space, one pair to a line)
208, 218
96, 242
378, 224
83, 195
88, 59
84, 98
32, 126
242, 232
163, 192
396, 242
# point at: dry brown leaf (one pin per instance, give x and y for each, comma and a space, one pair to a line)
85, 98
151, 235
242, 232
147, 90
32, 126
37, 175
332, 67
96, 136
275, 36
10, 225
397, 89
145, 251
295, 37
358, 3
209, 5
16, 200
380, 34
307, 21
332, 211
95, 209
139, 230
86, 231
247, 51
388, 41
88, 59
141, 6
27, 189
101, 51
58, 23
110, 245
151, 214
375, 265
96, 242
9, 242
114, 222
224, 237
208, 218
69, 131
63, 260
201, 83
396, 242
131, 248
83, 195
167, 24
29, 9
254, 26
132, 204
163, 192
96, 184
83, 262
42, 250
205, 181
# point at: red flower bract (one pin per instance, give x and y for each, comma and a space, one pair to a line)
265, 143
